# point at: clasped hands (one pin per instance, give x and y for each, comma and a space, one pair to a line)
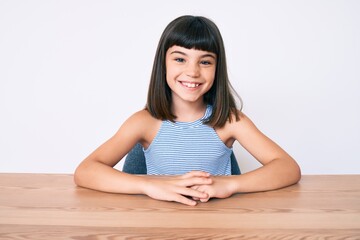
188, 188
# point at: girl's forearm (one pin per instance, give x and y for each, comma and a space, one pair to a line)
277, 174
101, 177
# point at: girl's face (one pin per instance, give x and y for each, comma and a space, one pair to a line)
190, 73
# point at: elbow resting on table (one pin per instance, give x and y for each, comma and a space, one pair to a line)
295, 174
284, 174
80, 176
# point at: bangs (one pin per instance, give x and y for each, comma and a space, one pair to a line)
193, 33
200, 33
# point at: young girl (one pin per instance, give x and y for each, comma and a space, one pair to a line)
187, 128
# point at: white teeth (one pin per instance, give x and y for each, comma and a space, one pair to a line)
190, 85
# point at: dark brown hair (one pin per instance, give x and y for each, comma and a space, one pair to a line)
202, 34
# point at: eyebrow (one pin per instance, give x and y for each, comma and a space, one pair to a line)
204, 55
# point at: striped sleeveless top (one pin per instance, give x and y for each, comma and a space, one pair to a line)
181, 147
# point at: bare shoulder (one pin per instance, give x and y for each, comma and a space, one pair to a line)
141, 125
241, 126
243, 119
142, 115
236, 128
141, 119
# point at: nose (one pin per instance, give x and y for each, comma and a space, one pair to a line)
193, 70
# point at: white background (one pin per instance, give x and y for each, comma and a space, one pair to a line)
72, 71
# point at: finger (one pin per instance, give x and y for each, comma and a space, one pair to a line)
195, 188
184, 200
204, 199
206, 189
196, 174
189, 182
192, 193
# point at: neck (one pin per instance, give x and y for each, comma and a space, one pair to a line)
188, 112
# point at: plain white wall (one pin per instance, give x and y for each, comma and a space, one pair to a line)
72, 71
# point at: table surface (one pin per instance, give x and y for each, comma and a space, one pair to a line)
50, 206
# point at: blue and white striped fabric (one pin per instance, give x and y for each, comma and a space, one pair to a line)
182, 147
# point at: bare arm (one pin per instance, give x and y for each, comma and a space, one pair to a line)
97, 172
279, 168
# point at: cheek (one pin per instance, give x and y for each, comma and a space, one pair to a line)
211, 77
210, 80
211, 72
170, 78
172, 73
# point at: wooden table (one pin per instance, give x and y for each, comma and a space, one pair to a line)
50, 206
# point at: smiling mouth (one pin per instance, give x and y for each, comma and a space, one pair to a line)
190, 84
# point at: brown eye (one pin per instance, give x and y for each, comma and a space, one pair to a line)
179, 60
205, 62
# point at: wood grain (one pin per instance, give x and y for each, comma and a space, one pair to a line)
50, 206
